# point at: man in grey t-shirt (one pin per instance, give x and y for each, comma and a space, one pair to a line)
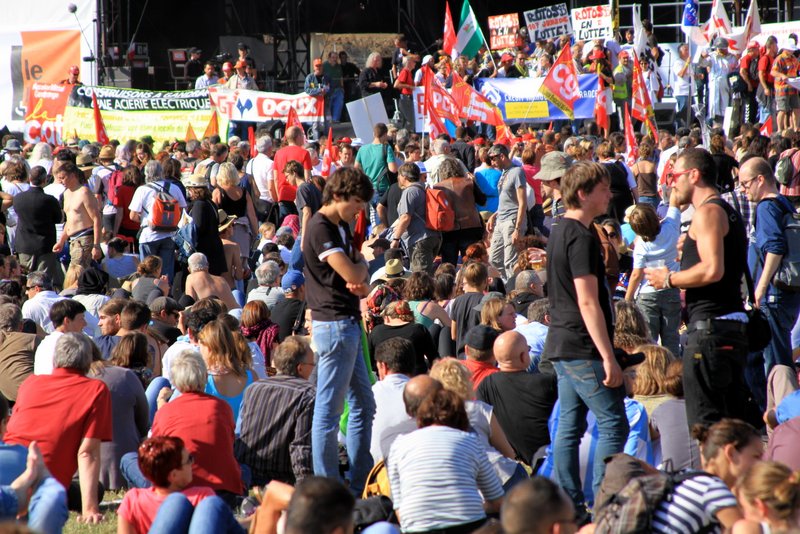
422, 244
510, 221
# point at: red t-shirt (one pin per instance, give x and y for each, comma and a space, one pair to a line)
140, 506
58, 411
406, 77
286, 191
205, 424
765, 66
536, 185
479, 370
124, 197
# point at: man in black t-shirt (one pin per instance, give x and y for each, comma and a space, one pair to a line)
581, 325
522, 401
475, 279
336, 277
289, 313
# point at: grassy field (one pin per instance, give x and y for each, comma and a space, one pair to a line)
109, 524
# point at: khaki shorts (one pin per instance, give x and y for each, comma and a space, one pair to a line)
787, 103
80, 250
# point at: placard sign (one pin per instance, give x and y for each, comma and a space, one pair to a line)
593, 22
504, 31
548, 22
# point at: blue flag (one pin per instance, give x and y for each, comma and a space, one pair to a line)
690, 12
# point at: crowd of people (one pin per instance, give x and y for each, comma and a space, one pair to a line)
425, 336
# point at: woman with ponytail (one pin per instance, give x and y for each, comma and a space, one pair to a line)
769, 494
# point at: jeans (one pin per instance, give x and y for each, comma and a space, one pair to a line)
653, 201
336, 103
285, 208
164, 249
129, 467
782, 309
503, 252
457, 241
177, 515
766, 110
157, 384
662, 309
297, 262
713, 374
520, 475
47, 508
424, 252
580, 389
341, 375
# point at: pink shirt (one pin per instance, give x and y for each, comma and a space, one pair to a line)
140, 506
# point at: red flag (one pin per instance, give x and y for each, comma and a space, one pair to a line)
503, 136
632, 153
190, 135
601, 103
471, 104
293, 120
449, 31
439, 105
99, 127
642, 106
213, 125
360, 230
327, 158
560, 86
251, 137
767, 129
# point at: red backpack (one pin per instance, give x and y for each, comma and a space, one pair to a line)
439, 213
166, 212
114, 181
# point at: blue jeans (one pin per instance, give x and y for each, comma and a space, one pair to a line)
157, 384
653, 201
662, 309
341, 375
47, 509
297, 261
129, 467
164, 249
336, 103
580, 389
782, 310
177, 515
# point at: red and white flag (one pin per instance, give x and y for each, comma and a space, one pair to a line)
560, 86
327, 157
632, 154
767, 129
641, 105
450, 38
99, 127
471, 104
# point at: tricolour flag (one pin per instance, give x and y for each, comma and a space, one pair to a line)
560, 86
449, 40
469, 38
99, 127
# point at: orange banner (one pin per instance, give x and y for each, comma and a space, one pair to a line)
45, 111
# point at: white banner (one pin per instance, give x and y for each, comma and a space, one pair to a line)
593, 22
548, 22
258, 106
39, 40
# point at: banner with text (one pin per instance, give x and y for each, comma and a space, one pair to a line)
257, 106
520, 100
593, 22
548, 22
131, 113
45, 112
504, 31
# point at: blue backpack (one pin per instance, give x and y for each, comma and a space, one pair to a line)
186, 241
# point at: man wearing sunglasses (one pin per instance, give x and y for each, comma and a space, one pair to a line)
712, 265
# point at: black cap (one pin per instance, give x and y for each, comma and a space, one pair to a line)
626, 360
242, 46
195, 50
481, 337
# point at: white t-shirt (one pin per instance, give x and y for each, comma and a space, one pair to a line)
681, 86
142, 203
260, 167
102, 174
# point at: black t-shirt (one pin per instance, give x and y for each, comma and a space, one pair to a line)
171, 333
308, 195
522, 403
390, 199
326, 291
573, 251
416, 333
464, 316
284, 314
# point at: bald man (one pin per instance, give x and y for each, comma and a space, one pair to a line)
522, 401
416, 390
284, 192
781, 305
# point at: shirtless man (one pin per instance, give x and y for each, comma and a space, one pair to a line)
233, 253
200, 284
83, 219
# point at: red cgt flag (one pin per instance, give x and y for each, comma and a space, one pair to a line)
293, 120
450, 39
560, 86
641, 105
99, 127
601, 103
630, 139
327, 158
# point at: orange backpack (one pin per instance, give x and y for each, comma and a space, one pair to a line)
439, 213
166, 212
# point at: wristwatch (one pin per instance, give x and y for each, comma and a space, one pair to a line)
667, 282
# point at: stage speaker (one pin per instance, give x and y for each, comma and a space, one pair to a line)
665, 116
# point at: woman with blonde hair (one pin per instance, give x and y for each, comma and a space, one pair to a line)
769, 494
455, 377
234, 200
651, 375
74, 272
228, 365
499, 313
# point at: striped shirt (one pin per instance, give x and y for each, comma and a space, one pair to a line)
694, 505
274, 429
437, 475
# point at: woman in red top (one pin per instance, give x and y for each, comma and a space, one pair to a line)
124, 226
169, 505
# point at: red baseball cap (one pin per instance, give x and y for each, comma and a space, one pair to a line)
480, 141
506, 57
